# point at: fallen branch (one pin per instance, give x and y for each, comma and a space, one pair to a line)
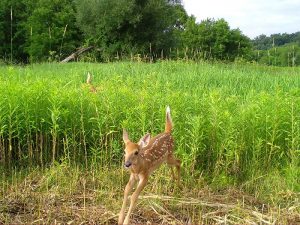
75, 55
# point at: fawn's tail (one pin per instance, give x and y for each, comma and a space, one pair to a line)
169, 124
89, 78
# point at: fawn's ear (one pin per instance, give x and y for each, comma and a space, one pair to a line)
125, 136
144, 141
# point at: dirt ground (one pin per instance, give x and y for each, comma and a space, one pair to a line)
27, 204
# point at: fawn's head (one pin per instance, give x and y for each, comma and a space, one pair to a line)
132, 149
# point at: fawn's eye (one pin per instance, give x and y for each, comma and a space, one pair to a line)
136, 152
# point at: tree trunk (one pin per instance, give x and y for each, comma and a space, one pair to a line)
75, 55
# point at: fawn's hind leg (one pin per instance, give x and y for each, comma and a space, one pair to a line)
172, 161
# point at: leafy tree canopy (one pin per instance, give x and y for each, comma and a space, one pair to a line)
215, 39
51, 29
130, 25
263, 42
41, 30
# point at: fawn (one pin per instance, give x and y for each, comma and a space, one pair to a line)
143, 158
89, 83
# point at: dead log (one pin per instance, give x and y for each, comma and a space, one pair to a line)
75, 55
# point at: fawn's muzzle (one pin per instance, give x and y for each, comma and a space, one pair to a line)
127, 164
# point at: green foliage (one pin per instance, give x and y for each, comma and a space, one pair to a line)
13, 14
51, 30
235, 124
278, 49
40, 29
285, 55
130, 26
215, 40
45, 30
264, 42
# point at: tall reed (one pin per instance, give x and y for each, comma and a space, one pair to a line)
237, 124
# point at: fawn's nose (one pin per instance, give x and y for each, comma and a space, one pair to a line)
127, 164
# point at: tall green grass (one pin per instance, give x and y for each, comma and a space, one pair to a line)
234, 124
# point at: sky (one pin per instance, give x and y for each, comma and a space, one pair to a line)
252, 17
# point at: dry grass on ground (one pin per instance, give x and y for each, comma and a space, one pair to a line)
85, 201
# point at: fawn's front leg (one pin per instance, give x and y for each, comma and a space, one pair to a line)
128, 188
142, 183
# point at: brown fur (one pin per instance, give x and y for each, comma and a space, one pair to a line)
144, 158
89, 83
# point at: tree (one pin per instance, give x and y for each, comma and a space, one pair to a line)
37, 29
13, 14
285, 55
215, 39
239, 45
130, 26
263, 42
51, 30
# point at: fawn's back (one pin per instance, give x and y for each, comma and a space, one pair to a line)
158, 151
